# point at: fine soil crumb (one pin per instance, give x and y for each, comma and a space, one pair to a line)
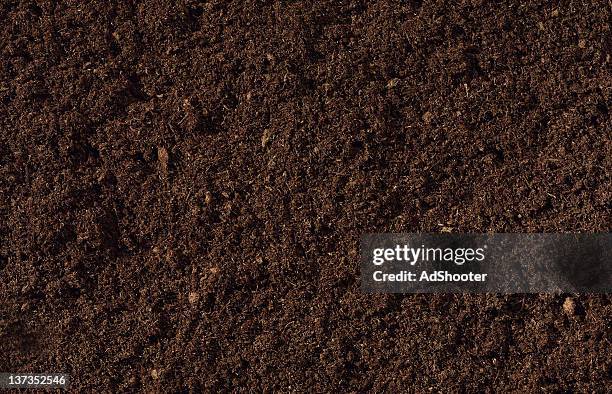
393, 83
162, 155
569, 306
266, 137
208, 198
194, 297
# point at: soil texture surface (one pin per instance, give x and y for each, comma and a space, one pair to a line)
183, 187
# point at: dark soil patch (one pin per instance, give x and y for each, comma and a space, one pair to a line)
183, 185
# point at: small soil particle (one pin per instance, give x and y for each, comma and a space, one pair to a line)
162, 156
266, 137
194, 297
569, 306
393, 83
208, 198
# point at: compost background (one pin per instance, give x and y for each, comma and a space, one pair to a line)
183, 186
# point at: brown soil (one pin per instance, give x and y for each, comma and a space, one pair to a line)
183, 185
